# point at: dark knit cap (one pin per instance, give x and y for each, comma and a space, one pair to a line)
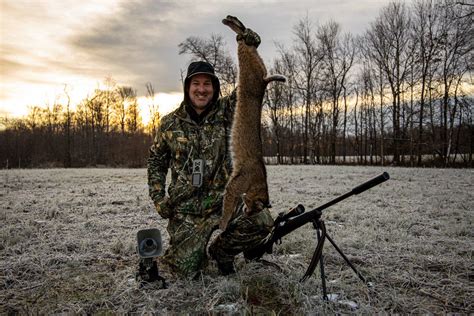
197, 68
200, 67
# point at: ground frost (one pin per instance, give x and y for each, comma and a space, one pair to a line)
68, 245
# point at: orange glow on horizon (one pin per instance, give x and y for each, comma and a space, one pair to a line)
20, 107
166, 103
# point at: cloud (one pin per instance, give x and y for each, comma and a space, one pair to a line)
33, 53
9, 66
50, 43
138, 44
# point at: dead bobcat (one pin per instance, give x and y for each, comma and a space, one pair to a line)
248, 178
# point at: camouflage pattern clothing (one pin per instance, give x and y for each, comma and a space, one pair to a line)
178, 142
194, 212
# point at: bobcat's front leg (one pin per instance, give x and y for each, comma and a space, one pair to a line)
233, 192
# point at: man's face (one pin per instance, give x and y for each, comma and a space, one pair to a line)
201, 91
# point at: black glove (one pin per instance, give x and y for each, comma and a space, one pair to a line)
164, 208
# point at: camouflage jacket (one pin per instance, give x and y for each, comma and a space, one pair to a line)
179, 141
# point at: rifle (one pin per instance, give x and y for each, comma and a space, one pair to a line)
296, 217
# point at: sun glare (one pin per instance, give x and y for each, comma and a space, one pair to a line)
19, 106
165, 102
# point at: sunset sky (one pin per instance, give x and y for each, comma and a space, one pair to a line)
47, 45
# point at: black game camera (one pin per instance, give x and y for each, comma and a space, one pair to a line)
148, 247
149, 243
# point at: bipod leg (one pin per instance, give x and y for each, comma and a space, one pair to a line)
347, 260
321, 266
317, 256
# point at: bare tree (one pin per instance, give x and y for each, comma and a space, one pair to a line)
425, 33
126, 95
97, 124
133, 119
67, 127
339, 54
388, 45
152, 108
308, 58
274, 101
290, 97
456, 44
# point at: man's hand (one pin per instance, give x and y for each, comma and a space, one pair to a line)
249, 37
164, 208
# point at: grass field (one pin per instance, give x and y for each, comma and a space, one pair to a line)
68, 245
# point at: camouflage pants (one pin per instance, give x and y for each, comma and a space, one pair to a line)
190, 234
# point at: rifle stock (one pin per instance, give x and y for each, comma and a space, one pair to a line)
286, 223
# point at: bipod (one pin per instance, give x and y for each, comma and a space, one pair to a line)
287, 222
322, 235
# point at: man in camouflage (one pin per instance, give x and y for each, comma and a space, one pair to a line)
197, 133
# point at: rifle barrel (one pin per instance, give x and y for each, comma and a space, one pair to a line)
371, 183
298, 221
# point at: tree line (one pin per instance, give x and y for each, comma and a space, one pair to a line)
105, 129
401, 93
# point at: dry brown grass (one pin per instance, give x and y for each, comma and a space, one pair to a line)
68, 246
